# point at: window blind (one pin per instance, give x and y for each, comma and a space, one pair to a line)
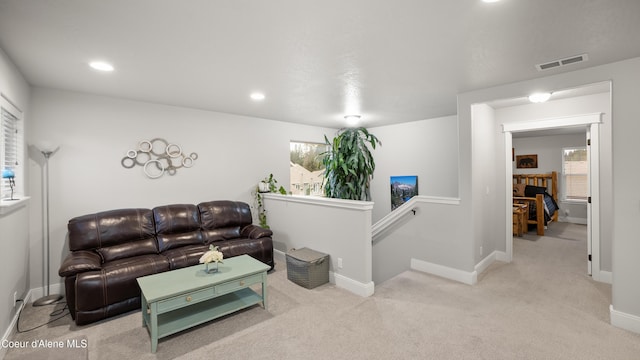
11, 149
575, 182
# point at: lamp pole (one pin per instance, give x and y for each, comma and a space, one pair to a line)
48, 298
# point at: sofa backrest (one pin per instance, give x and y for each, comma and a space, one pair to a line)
123, 233
114, 234
223, 219
177, 225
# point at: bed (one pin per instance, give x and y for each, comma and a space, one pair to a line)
539, 193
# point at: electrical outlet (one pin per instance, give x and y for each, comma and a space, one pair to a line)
339, 263
15, 298
480, 250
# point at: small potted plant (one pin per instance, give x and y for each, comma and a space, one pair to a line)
267, 185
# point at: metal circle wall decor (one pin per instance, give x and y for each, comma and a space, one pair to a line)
157, 157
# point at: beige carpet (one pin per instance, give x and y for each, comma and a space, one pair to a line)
541, 306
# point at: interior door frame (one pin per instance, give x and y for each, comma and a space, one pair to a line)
591, 123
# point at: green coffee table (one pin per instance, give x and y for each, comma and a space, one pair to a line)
176, 300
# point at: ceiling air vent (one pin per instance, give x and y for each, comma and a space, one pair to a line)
562, 62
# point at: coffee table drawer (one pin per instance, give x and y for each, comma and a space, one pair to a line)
187, 298
238, 284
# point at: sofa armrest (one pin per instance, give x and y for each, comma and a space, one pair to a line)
255, 232
80, 261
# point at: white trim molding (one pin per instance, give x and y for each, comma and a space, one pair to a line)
603, 276
405, 208
465, 277
8, 334
490, 259
553, 123
624, 320
356, 287
317, 200
9, 206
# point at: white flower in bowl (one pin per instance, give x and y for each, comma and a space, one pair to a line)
213, 255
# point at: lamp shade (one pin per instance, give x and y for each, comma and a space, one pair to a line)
8, 174
46, 146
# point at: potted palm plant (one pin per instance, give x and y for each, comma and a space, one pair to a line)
349, 164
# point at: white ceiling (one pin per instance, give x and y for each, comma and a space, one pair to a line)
316, 61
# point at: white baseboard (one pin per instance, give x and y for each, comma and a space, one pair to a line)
484, 263
341, 281
574, 220
624, 320
465, 277
502, 256
356, 287
279, 256
37, 293
10, 331
603, 276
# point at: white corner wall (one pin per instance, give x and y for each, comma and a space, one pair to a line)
14, 226
340, 228
95, 133
426, 148
625, 78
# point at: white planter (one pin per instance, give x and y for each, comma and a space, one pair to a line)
263, 187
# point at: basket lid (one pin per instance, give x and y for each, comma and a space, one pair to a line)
305, 254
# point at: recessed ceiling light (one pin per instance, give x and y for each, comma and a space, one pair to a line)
352, 120
539, 97
490, 1
257, 96
101, 66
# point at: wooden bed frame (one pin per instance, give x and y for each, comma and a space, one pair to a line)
548, 181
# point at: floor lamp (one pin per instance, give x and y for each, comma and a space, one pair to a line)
48, 298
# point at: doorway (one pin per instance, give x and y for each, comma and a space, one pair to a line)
591, 123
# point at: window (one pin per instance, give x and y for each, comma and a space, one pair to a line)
11, 148
306, 169
575, 180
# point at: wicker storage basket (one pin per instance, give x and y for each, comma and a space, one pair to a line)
307, 268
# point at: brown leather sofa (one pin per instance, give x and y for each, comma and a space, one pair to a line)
110, 249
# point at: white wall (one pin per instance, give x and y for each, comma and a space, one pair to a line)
95, 133
484, 147
625, 78
14, 227
340, 228
431, 235
427, 148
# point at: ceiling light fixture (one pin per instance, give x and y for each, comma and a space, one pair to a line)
257, 96
490, 1
539, 97
101, 66
352, 120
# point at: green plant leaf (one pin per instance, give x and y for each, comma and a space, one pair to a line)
349, 164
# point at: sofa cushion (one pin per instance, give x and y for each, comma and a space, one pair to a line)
185, 256
224, 214
172, 241
80, 261
177, 225
226, 233
260, 249
110, 228
116, 281
176, 218
128, 249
